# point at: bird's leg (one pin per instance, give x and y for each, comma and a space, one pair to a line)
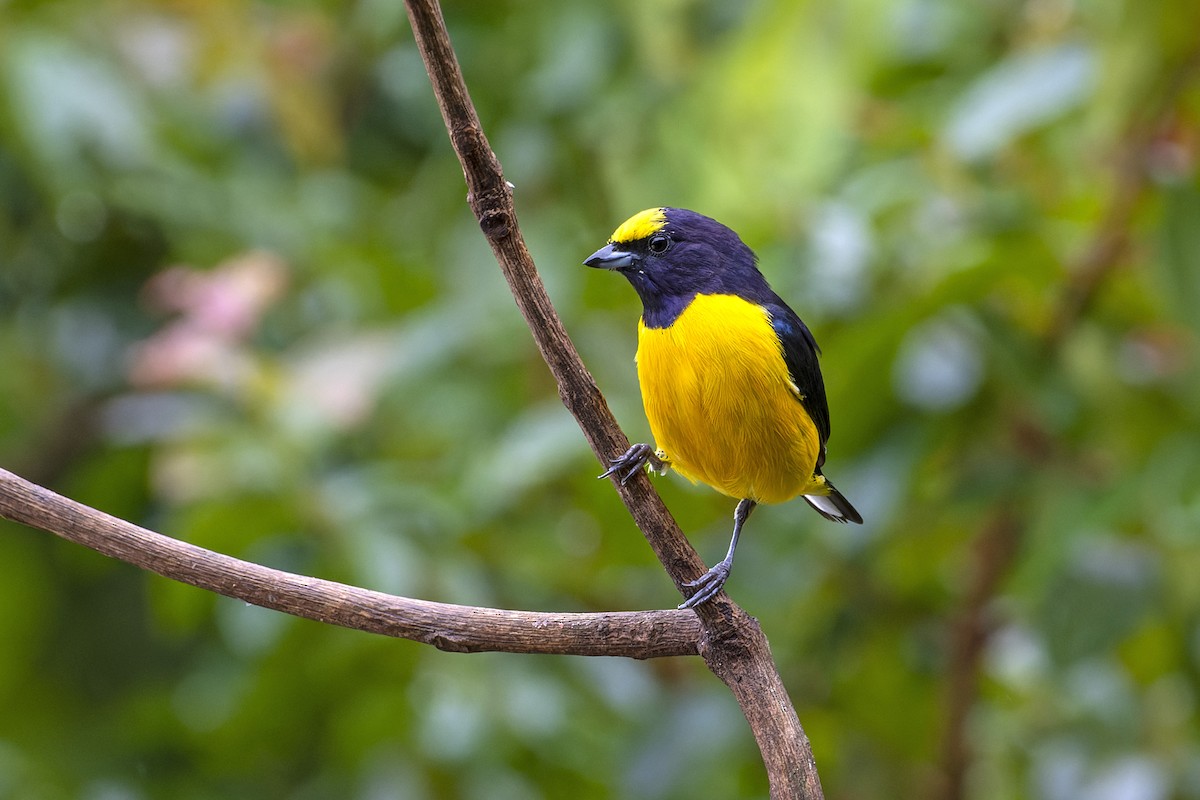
708, 584
634, 461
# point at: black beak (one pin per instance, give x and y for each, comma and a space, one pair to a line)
609, 258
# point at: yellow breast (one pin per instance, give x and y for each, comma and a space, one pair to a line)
722, 405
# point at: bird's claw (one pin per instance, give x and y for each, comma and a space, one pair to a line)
633, 461
708, 585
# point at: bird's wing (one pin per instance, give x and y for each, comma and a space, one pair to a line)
800, 353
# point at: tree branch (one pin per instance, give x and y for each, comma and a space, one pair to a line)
459, 629
730, 641
733, 644
490, 197
998, 545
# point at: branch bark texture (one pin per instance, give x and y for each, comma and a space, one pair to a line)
732, 644
459, 629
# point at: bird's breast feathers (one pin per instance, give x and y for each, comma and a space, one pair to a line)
722, 404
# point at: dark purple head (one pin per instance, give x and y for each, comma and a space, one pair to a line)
670, 255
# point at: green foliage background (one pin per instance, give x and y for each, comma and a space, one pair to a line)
243, 302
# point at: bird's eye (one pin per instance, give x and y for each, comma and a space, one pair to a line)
659, 244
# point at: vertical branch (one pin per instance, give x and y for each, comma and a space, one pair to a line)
490, 197
993, 554
733, 645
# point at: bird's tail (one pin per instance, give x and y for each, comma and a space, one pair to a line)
832, 505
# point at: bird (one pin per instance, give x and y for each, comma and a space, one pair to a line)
728, 372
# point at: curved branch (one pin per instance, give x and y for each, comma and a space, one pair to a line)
459, 629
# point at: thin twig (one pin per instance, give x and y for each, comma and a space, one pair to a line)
1111, 239
459, 629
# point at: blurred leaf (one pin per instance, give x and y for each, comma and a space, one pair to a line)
1017, 95
72, 106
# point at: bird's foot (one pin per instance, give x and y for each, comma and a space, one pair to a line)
633, 461
708, 584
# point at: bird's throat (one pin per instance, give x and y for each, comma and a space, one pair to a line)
659, 311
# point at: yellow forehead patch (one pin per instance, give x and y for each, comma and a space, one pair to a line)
639, 226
